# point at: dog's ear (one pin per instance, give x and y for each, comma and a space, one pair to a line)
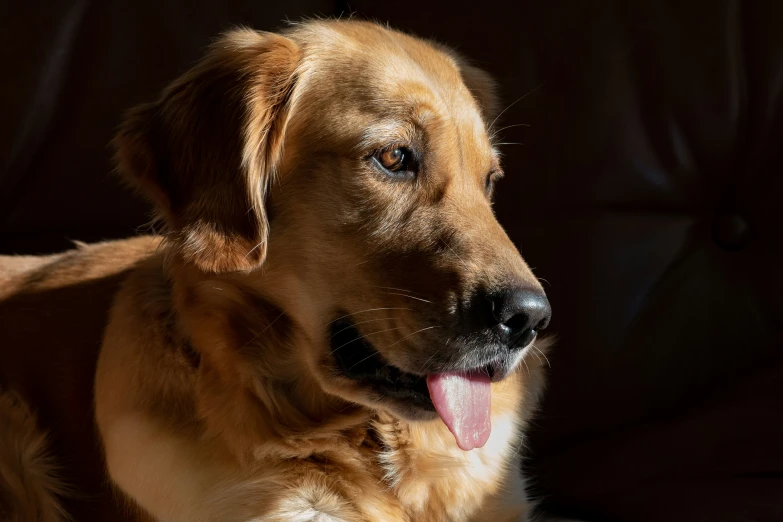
483, 88
206, 151
480, 84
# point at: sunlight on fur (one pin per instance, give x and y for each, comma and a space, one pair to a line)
333, 326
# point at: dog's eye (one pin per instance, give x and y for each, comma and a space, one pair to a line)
398, 161
393, 160
492, 177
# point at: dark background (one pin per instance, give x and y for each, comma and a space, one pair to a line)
644, 186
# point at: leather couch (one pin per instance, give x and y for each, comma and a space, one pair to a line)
644, 183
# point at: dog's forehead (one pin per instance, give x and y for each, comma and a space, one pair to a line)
367, 55
391, 76
370, 86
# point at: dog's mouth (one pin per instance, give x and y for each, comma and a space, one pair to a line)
460, 398
359, 361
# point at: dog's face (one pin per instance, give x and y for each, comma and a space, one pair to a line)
358, 169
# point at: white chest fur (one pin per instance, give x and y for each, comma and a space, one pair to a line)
434, 479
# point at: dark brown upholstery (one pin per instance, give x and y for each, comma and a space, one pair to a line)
646, 188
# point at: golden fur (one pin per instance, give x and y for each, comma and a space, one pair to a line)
215, 391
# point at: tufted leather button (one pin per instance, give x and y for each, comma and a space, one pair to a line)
731, 230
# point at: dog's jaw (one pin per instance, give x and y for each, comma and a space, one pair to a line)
462, 399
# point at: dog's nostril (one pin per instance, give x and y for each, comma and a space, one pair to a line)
542, 324
516, 323
519, 314
524, 338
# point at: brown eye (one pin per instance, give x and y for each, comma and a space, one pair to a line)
397, 161
393, 159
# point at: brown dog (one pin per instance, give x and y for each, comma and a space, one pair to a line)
335, 327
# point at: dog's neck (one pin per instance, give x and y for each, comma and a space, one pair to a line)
250, 389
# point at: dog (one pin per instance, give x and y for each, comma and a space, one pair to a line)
333, 327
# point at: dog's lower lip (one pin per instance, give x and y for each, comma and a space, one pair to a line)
359, 361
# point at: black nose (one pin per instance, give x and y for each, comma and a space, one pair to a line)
518, 314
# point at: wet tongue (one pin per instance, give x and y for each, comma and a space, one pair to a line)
462, 400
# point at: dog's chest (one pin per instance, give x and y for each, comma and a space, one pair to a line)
431, 479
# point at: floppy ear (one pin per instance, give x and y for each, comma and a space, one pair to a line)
482, 87
206, 151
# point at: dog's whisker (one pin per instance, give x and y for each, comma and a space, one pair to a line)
365, 311
411, 335
534, 89
398, 289
508, 127
542, 354
372, 354
532, 350
410, 297
424, 366
527, 368
366, 335
360, 322
360, 362
387, 292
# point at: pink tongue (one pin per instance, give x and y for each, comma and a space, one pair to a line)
462, 400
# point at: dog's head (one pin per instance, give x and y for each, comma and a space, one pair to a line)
345, 172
